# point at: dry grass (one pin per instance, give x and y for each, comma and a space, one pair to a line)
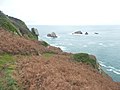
60, 73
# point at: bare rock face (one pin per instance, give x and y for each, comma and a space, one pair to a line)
52, 35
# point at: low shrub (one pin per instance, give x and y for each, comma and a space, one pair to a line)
83, 57
45, 43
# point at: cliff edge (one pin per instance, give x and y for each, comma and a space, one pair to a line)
16, 26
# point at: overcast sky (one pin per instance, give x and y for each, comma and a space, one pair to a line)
64, 12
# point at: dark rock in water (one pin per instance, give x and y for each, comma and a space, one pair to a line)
78, 32
86, 33
96, 33
52, 35
35, 31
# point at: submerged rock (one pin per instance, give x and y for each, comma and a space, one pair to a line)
52, 35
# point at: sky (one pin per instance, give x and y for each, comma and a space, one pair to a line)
63, 12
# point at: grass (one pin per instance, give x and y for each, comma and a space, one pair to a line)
14, 25
83, 57
48, 54
7, 67
6, 24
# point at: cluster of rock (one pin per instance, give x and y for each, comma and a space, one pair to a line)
53, 35
80, 32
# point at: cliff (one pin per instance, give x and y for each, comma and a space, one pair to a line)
27, 64
16, 26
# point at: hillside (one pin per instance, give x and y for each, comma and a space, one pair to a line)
16, 26
27, 64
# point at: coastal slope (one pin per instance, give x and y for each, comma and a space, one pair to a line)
29, 64
48, 70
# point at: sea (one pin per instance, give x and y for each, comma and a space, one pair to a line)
105, 45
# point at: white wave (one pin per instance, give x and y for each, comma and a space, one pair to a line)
62, 47
84, 45
116, 72
70, 33
101, 44
103, 65
109, 69
53, 44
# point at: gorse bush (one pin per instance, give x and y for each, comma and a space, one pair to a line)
83, 57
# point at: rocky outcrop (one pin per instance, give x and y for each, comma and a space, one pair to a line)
96, 33
77, 32
35, 32
86, 33
53, 35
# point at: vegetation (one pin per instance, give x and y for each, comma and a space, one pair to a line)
16, 26
7, 82
23, 29
6, 24
45, 43
47, 54
83, 57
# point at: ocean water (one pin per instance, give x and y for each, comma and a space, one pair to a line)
105, 45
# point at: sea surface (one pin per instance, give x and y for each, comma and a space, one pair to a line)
105, 45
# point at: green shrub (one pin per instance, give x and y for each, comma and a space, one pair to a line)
45, 43
83, 57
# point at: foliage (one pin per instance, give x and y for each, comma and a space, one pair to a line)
22, 28
16, 26
45, 43
7, 25
7, 82
83, 57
